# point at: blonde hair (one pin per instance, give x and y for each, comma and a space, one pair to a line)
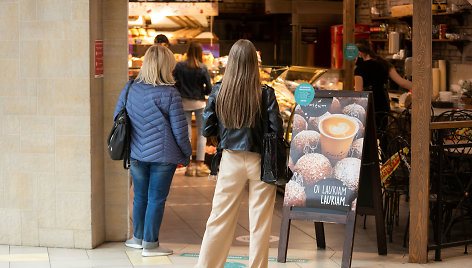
238, 103
157, 68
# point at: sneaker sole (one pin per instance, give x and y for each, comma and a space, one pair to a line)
134, 246
153, 254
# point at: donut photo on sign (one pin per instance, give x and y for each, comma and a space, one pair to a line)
326, 152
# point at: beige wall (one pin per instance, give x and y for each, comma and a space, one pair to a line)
115, 23
58, 188
45, 127
96, 129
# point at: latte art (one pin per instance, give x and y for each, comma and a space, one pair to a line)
338, 127
336, 135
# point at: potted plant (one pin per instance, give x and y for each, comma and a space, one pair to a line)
466, 86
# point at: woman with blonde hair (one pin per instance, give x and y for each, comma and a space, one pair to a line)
234, 113
193, 82
159, 142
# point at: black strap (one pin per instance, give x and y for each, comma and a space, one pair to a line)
126, 159
289, 123
265, 115
127, 91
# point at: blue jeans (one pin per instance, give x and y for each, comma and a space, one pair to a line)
151, 186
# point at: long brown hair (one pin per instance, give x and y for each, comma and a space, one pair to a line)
238, 103
194, 55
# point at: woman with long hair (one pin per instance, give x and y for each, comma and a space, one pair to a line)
159, 142
234, 113
193, 82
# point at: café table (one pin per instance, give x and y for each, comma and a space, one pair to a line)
451, 180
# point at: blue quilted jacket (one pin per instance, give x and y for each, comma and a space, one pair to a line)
159, 130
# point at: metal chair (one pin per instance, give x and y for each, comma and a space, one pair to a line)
451, 181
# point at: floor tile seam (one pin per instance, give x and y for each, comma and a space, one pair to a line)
301, 230
127, 256
200, 193
186, 223
49, 256
204, 196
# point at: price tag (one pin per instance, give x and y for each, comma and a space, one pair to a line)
304, 94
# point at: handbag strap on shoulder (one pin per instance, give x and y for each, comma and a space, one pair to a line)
265, 115
127, 91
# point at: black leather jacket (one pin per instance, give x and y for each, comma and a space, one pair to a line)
243, 139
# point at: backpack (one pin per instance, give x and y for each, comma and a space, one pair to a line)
119, 138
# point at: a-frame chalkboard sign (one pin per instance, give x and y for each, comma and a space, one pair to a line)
335, 161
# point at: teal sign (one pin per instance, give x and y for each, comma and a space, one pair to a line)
350, 52
304, 94
234, 265
243, 258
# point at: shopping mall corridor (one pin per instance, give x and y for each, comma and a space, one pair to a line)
188, 207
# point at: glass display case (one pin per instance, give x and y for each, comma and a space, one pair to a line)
286, 83
332, 79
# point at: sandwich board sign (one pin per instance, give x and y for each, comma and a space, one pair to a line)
335, 165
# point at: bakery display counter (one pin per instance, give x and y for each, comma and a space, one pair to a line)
287, 79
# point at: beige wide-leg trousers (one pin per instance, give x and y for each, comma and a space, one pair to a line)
236, 168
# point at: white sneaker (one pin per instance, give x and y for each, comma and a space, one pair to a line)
134, 243
159, 251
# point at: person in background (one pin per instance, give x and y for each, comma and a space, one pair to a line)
234, 114
193, 82
159, 142
372, 73
162, 40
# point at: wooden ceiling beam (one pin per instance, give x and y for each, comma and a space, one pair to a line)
175, 20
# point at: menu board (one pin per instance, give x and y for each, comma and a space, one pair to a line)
326, 152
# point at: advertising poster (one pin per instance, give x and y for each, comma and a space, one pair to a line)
325, 152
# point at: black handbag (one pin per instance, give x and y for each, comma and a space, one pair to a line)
119, 137
274, 158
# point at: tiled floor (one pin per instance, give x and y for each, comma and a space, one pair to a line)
188, 207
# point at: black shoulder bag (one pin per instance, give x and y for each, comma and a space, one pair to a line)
120, 137
274, 157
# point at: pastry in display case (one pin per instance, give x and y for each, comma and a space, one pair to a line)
290, 78
332, 79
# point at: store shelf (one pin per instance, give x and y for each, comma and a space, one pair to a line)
378, 40
409, 16
434, 40
389, 18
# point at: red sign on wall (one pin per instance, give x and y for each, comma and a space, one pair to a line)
98, 58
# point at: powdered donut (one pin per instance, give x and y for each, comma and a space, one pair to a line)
347, 171
313, 168
355, 110
344, 101
294, 194
306, 141
313, 121
335, 107
299, 124
361, 101
290, 163
360, 132
356, 148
